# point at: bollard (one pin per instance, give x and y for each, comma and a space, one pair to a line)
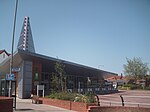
122, 100
98, 102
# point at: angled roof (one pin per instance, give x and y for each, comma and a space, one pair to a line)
115, 78
1, 51
36, 55
49, 62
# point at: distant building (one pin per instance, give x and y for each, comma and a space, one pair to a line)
3, 55
37, 69
116, 81
141, 82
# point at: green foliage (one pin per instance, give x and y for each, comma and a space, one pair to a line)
55, 82
59, 68
136, 68
86, 98
58, 78
130, 87
62, 96
123, 88
90, 98
147, 88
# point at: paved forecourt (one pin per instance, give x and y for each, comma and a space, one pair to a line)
25, 105
132, 98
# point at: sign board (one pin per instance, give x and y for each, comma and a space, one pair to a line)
15, 69
40, 87
10, 77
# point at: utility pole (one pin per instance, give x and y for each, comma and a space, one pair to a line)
12, 48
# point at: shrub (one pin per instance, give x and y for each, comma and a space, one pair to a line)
86, 98
147, 88
80, 98
132, 86
123, 88
62, 96
91, 97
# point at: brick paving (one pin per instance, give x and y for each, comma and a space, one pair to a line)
25, 105
132, 98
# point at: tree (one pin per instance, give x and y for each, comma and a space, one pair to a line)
136, 69
55, 82
58, 78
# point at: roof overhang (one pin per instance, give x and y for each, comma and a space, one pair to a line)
21, 55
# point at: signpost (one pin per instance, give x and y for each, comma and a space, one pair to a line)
10, 77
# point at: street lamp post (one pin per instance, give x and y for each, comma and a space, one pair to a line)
11, 61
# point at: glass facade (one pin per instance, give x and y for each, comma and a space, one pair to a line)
42, 73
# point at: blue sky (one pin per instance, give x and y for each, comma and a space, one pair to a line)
95, 33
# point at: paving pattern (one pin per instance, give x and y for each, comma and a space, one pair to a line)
132, 98
25, 105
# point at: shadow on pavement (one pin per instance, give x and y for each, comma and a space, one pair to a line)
23, 109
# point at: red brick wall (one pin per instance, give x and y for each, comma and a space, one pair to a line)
55, 102
117, 109
83, 107
77, 106
6, 104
